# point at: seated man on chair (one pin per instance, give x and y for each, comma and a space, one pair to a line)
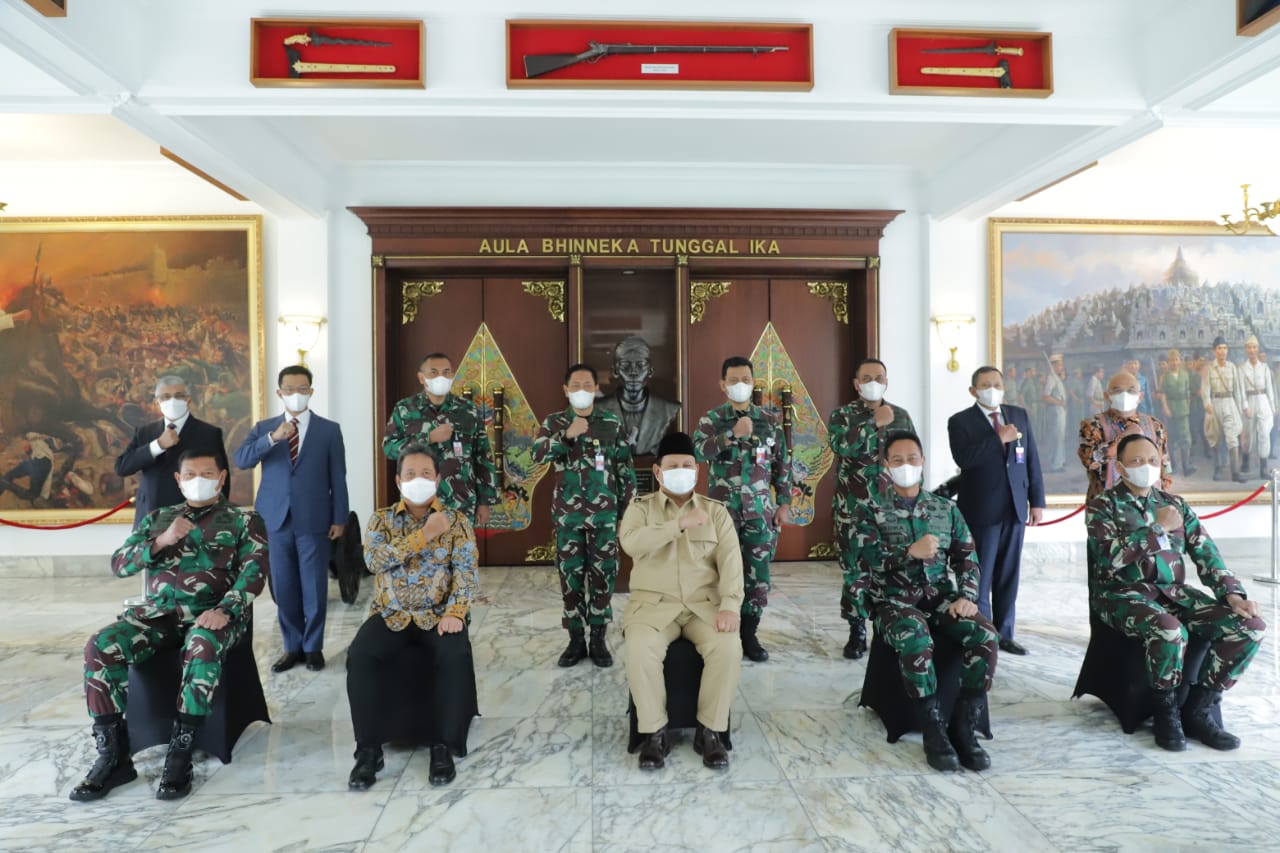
918, 575
205, 561
423, 559
1140, 538
686, 581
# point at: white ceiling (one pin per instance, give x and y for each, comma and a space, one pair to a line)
1151, 91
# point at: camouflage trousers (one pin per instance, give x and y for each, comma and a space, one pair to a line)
587, 557
1163, 627
757, 540
133, 640
910, 630
850, 609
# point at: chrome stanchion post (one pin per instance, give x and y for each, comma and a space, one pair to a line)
1275, 529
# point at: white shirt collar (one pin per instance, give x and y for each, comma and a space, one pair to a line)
179, 423
986, 411
303, 419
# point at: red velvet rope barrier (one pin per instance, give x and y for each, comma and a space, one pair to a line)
1071, 514
1237, 504
73, 524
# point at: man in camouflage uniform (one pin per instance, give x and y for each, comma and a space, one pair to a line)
453, 428
918, 575
205, 561
855, 431
588, 448
746, 453
1140, 538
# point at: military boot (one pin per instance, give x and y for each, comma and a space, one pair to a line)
576, 650
751, 647
938, 750
114, 767
1200, 719
1167, 722
1236, 474
598, 650
964, 731
175, 781
857, 645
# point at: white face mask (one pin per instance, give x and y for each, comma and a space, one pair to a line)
173, 410
872, 391
991, 397
906, 476
581, 399
198, 489
418, 491
439, 385
679, 481
1123, 401
296, 402
1142, 476
739, 392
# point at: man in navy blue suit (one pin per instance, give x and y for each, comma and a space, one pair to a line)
155, 447
303, 500
999, 478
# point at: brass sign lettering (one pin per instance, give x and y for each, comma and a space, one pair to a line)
630, 246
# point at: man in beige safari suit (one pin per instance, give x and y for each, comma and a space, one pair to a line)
686, 581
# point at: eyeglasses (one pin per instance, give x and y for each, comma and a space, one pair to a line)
181, 395
288, 389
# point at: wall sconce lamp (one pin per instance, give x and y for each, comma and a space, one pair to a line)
303, 331
950, 328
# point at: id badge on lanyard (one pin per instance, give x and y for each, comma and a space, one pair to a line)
1019, 454
457, 447
762, 455
599, 457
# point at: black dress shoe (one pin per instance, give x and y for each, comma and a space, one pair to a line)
708, 744
365, 773
1012, 647
442, 770
315, 661
654, 750
287, 661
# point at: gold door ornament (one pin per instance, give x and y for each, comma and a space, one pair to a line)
824, 551
411, 292
701, 292
553, 291
837, 293
542, 553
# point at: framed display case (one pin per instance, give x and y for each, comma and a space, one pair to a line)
1252, 16
659, 55
49, 8
982, 63
336, 53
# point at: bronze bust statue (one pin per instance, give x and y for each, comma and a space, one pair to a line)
645, 418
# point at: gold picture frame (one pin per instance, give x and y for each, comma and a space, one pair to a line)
1099, 292
92, 311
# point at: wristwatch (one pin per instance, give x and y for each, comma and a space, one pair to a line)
1158, 529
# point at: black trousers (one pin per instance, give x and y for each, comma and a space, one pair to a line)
376, 689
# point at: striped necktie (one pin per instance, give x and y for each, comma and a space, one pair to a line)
294, 440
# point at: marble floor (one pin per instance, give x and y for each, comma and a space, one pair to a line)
548, 768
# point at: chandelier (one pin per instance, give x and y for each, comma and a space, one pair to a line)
1253, 217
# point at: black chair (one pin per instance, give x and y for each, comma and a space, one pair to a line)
884, 692
1114, 671
682, 673
410, 712
238, 701
346, 560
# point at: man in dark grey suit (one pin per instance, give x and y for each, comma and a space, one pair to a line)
154, 450
999, 480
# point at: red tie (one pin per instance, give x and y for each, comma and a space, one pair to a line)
293, 442
995, 420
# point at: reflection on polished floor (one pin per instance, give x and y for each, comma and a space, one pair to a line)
548, 768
